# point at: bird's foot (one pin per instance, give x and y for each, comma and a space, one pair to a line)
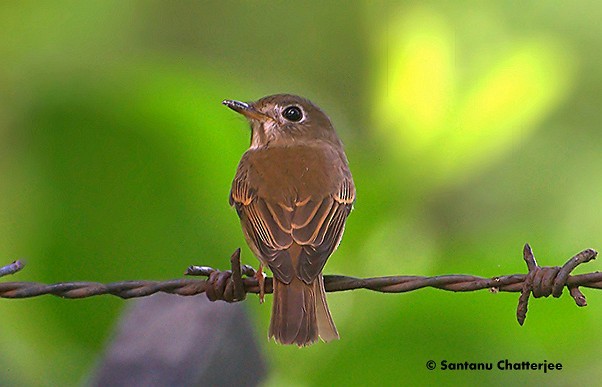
260, 276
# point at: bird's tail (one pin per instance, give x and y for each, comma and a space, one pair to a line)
300, 314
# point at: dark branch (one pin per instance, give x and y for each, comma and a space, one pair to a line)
229, 287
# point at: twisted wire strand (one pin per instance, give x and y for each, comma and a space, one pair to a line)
231, 286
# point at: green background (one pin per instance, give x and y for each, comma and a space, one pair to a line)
471, 128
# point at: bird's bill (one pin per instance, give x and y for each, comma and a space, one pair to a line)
245, 109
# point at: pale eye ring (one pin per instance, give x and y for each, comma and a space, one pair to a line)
292, 113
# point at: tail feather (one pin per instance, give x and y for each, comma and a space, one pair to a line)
326, 328
300, 314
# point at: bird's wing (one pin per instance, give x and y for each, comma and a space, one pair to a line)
266, 225
271, 227
318, 226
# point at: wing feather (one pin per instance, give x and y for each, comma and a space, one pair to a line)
305, 229
271, 226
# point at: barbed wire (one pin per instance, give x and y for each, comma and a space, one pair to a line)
231, 286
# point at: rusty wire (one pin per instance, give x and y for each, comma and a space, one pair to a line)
231, 286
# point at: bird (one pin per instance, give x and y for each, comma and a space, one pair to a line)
293, 192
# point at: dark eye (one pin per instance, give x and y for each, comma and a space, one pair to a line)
292, 113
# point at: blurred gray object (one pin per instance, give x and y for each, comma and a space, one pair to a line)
168, 340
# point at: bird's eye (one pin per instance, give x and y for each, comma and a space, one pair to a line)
292, 113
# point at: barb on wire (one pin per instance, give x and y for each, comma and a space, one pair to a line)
12, 268
231, 286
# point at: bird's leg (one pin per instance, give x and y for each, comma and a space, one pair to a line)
260, 276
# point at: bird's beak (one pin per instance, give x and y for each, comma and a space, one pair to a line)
245, 109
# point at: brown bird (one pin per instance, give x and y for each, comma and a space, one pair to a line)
293, 192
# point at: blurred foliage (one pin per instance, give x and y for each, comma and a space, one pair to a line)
471, 128
425, 105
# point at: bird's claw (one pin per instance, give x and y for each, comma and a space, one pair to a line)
260, 276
